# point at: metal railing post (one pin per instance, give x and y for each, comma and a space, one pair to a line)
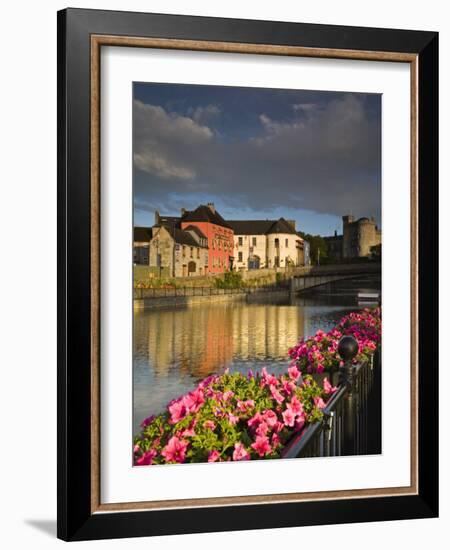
347, 349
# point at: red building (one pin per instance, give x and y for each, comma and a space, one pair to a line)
218, 232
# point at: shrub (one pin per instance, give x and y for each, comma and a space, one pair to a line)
231, 279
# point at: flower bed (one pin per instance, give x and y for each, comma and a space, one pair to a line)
233, 417
319, 353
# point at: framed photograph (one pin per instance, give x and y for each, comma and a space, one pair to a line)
247, 252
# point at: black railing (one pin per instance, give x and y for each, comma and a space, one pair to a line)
351, 423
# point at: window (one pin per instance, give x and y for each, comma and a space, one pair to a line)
192, 251
184, 251
287, 243
277, 243
239, 256
254, 241
198, 252
239, 241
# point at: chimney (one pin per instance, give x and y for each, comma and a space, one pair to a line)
211, 206
292, 223
348, 219
335, 233
157, 217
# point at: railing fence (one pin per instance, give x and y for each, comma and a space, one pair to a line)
351, 423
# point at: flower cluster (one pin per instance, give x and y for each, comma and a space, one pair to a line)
319, 353
232, 417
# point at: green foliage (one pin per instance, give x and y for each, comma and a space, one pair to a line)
231, 279
317, 243
375, 252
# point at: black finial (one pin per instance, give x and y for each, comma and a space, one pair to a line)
348, 348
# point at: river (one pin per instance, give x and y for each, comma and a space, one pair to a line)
174, 348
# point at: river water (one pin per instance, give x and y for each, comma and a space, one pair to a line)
174, 348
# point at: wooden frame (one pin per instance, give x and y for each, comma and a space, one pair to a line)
81, 34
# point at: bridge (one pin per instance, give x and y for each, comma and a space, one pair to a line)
312, 276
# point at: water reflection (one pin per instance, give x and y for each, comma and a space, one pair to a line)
176, 347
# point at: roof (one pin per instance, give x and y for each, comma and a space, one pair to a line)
261, 227
251, 227
282, 226
181, 236
204, 214
196, 230
142, 234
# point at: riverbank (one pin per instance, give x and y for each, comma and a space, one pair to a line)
144, 299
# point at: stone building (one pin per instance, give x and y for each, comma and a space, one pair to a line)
357, 239
359, 236
266, 244
171, 251
183, 251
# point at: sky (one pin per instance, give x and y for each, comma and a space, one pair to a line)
257, 153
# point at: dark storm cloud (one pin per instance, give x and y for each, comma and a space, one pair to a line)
324, 156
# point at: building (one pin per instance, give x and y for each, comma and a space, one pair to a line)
218, 232
334, 247
357, 239
359, 236
266, 244
141, 242
171, 251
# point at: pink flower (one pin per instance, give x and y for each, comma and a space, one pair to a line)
294, 373
213, 456
276, 394
147, 421
261, 445
244, 405
295, 406
254, 420
209, 425
240, 453
270, 418
278, 427
177, 411
175, 450
268, 379
288, 387
194, 400
319, 402
262, 429
227, 395
275, 440
232, 419
147, 458
188, 432
289, 417
136, 448
327, 387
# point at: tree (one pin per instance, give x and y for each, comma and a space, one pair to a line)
316, 243
375, 252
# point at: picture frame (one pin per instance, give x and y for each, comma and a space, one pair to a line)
81, 35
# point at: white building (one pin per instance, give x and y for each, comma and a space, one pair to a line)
266, 244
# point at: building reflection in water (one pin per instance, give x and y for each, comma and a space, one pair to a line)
204, 339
